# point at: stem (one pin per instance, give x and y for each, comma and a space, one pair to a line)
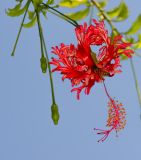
20, 29
91, 14
60, 16
136, 81
40, 32
104, 15
50, 73
107, 91
49, 67
73, 22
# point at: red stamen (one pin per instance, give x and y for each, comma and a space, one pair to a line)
116, 117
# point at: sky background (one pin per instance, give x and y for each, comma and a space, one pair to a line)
26, 129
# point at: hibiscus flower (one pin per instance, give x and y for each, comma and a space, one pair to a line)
81, 65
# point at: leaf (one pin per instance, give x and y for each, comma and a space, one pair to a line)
103, 3
119, 13
80, 14
16, 13
49, 2
44, 13
123, 13
31, 23
113, 13
37, 2
136, 26
72, 3
31, 14
137, 45
16, 8
19, 0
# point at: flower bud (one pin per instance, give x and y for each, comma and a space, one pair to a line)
55, 113
43, 63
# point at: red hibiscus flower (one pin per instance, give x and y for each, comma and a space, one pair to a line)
81, 65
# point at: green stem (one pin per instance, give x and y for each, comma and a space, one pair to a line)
60, 16
91, 14
20, 29
50, 73
49, 67
40, 32
136, 81
104, 15
68, 19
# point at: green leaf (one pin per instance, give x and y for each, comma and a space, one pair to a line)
49, 2
80, 14
31, 23
119, 13
136, 26
44, 12
72, 3
103, 3
137, 45
31, 14
36, 3
16, 8
123, 13
16, 13
19, 0
113, 13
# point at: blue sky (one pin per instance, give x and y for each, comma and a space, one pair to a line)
26, 129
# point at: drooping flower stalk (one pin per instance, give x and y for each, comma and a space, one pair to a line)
40, 33
20, 29
61, 15
50, 73
43, 60
136, 82
54, 107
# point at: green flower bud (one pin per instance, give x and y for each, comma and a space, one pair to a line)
55, 113
43, 63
